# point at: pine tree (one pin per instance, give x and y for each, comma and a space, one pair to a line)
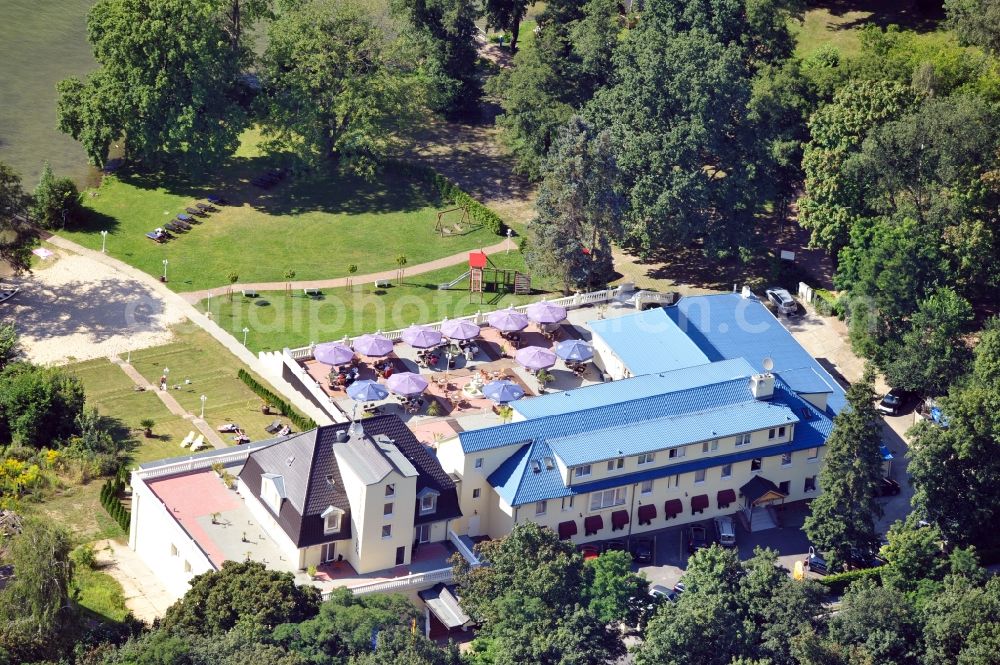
843, 516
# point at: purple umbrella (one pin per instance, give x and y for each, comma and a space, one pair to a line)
460, 329
332, 353
507, 320
421, 337
407, 383
373, 345
574, 349
535, 357
546, 312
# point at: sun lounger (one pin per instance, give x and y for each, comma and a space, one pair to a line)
187, 219
229, 427
173, 226
249, 293
194, 211
187, 440
199, 443
216, 200
273, 427
156, 238
184, 225
205, 208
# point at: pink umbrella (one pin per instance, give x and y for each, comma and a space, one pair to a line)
546, 312
507, 320
373, 345
535, 357
460, 329
407, 383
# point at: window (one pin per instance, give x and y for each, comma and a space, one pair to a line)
756, 463
699, 476
616, 463
187, 567
540, 507
646, 487
607, 498
813, 454
677, 452
390, 489
386, 531
646, 458
173, 550
475, 493
785, 487
786, 459
712, 446
727, 470
479, 462
567, 503
810, 485
331, 520
770, 433
272, 491
582, 471
743, 440
781, 432
387, 510
428, 503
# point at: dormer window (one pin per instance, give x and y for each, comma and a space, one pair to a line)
428, 500
272, 491
331, 519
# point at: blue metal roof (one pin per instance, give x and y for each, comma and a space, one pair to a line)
648, 342
730, 326
647, 385
519, 484
805, 380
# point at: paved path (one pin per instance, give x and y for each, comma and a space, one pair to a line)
172, 404
144, 595
195, 297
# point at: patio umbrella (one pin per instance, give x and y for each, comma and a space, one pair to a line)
504, 391
535, 357
574, 349
460, 329
546, 312
407, 383
421, 337
332, 353
507, 320
367, 390
373, 345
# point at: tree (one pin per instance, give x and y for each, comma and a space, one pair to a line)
36, 617
241, 592
578, 210
56, 200
616, 594
959, 623
932, 354
506, 15
17, 235
976, 22
878, 625
38, 405
289, 276
401, 262
445, 31
336, 85
402, 647
9, 344
912, 554
233, 277
173, 95
843, 516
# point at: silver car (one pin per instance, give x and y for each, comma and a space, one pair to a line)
725, 529
782, 300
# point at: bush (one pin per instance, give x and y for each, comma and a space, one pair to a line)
452, 192
838, 582
301, 422
56, 201
826, 303
84, 556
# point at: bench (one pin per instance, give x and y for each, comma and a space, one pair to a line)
312, 293
382, 283
249, 293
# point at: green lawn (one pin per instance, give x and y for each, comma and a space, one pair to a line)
277, 320
316, 227
99, 595
78, 508
838, 23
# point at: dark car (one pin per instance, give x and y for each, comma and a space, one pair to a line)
642, 550
858, 558
589, 552
697, 538
614, 545
887, 487
815, 562
895, 402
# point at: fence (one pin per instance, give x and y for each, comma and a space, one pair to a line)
195, 463
403, 583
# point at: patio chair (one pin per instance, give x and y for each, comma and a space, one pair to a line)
199, 443
273, 427
187, 440
155, 237
205, 208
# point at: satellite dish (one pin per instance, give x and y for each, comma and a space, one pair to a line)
768, 364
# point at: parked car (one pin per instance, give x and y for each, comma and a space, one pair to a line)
894, 402
589, 552
614, 545
679, 588
725, 531
697, 538
642, 550
782, 300
887, 487
858, 558
815, 562
660, 592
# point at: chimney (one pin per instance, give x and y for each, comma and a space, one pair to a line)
343, 436
762, 386
356, 430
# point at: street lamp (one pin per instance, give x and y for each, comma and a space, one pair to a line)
245, 331
165, 262
203, 399
209, 310
510, 232
104, 242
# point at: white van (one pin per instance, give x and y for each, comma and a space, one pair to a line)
725, 529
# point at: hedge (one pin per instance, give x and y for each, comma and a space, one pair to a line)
838, 582
302, 423
110, 492
826, 303
452, 192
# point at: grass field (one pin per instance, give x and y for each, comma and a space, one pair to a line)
99, 595
277, 320
316, 227
837, 22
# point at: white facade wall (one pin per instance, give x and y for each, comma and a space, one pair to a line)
607, 359
289, 550
162, 543
454, 460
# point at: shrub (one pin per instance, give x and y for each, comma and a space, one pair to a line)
110, 492
826, 303
838, 582
84, 556
302, 423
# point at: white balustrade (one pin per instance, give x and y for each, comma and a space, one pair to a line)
402, 583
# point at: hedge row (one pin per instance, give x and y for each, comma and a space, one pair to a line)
301, 423
838, 582
452, 192
110, 493
826, 303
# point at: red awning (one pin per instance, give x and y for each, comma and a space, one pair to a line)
726, 497
567, 530
699, 503
647, 513
592, 525
673, 508
619, 519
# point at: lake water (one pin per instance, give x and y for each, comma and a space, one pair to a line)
41, 42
